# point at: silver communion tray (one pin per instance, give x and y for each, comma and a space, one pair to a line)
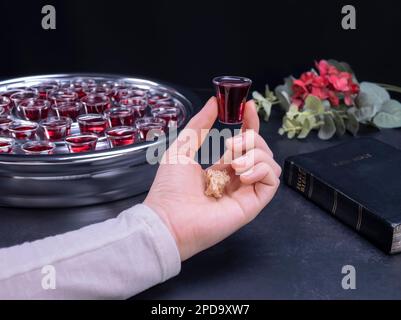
69, 180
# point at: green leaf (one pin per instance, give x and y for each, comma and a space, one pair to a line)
313, 104
364, 114
292, 112
313, 122
328, 129
269, 94
281, 131
284, 93
389, 116
306, 129
340, 124
352, 124
283, 98
257, 96
290, 123
371, 95
287, 124
290, 134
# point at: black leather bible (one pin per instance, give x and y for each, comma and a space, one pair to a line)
358, 182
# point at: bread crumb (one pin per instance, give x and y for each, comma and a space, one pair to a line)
216, 182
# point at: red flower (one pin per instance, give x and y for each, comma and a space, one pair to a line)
329, 84
339, 83
325, 68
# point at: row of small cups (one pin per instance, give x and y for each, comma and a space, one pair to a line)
92, 127
37, 109
97, 97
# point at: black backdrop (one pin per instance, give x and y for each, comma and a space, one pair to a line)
188, 42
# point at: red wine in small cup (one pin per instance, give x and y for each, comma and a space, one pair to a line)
6, 145
38, 147
81, 143
70, 109
231, 93
150, 127
122, 116
5, 122
92, 123
121, 136
23, 131
56, 128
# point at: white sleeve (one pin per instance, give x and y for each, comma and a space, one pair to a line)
114, 259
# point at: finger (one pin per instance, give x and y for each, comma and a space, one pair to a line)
262, 173
253, 157
246, 141
251, 118
192, 136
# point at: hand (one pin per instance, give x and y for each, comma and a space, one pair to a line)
196, 221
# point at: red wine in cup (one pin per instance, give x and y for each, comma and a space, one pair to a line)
5, 122
6, 104
38, 147
70, 109
92, 123
6, 145
168, 114
81, 143
96, 103
56, 128
231, 95
121, 136
23, 131
122, 116
34, 109
147, 125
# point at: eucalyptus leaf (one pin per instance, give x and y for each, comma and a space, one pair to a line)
371, 95
302, 117
257, 96
283, 98
267, 107
328, 129
313, 104
326, 105
292, 112
284, 93
391, 106
389, 116
287, 124
291, 134
312, 121
340, 124
364, 114
306, 129
269, 94
352, 124
292, 123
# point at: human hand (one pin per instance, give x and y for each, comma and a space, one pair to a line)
196, 221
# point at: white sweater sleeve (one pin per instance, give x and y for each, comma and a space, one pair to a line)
114, 259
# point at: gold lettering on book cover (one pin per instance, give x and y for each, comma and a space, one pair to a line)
301, 180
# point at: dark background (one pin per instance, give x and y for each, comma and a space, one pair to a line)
189, 42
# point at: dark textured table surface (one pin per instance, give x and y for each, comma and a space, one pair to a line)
293, 250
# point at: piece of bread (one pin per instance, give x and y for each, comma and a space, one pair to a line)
216, 182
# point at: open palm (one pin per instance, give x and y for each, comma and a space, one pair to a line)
177, 194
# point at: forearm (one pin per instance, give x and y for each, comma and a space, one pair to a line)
113, 259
